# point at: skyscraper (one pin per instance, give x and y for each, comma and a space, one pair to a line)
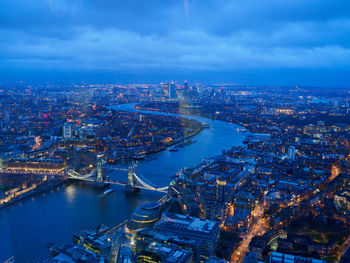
172, 91
186, 86
67, 130
205, 232
165, 88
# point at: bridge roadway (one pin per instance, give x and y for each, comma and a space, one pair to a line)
140, 183
161, 190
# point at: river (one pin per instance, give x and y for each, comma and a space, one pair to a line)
26, 228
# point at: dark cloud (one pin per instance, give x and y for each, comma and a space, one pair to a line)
212, 39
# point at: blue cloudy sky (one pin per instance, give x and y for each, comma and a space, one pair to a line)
286, 42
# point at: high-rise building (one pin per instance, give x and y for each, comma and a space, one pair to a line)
291, 153
208, 198
172, 90
220, 189
165, 88
205, 232
186, 86
67, 130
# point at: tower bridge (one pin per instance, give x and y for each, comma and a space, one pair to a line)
135, 182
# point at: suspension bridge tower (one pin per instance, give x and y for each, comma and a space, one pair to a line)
99, 169
130, 187
100, 172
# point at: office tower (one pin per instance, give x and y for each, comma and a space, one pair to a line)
172, 91
204, 232
186, 86
165, 88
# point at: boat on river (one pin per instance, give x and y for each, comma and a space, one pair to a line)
107, 192
174, 149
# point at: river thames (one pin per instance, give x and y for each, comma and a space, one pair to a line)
26, 228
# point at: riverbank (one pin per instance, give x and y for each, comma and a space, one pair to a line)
138, 107
187, 113
188, 129
36, 191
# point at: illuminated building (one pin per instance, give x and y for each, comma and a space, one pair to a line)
150, 235
343, 180
67, 130
214, 194
206, 232
145, 215
165, 88
241, 218
342, 201
208, 199
244, 200
94, 240
147, 256
80, 159
220, 189
55, 166
74, 253
293, 242
157, 253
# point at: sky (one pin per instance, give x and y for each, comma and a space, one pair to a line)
253, 42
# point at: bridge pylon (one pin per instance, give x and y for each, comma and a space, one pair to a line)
130, 186
99, 176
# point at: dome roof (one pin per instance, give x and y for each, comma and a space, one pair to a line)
144, 216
